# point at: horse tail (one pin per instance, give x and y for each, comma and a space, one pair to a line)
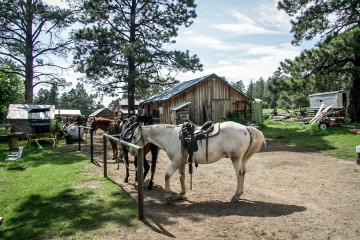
257, 139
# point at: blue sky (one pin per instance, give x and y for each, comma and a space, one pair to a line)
240, 40
236, 39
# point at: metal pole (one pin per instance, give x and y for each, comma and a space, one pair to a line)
140, 158
105, 163
79, 139
92, 144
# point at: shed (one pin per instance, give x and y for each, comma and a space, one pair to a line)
30, 119
122, 108
206, 98
102, 113
337, 99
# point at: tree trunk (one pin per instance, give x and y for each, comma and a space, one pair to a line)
29, 59
131, 62
353, 108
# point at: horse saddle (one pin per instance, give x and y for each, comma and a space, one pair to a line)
129, 130
189, 135
209, 129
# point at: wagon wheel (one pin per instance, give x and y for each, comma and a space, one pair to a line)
324, 125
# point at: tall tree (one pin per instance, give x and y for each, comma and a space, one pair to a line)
45, 96
11, 91
78, 98
29, 34
259, 88
250, 90
337, 22
122, 46
239, 85
272, 89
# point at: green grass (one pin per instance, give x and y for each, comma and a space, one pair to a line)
43, 202
334, 141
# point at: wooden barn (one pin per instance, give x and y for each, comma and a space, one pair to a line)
122, 106
102, 113
201, 99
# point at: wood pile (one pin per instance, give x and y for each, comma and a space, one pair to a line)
320, 115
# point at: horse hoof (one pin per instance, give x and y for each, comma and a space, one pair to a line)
126, 180
180, 197
235, 199
150, 187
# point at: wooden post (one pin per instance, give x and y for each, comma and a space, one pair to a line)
140, 168
105, 162
92, 144
13, 142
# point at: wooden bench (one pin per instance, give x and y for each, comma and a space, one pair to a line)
16, 157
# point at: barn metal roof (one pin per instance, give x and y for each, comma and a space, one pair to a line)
328, 93
179, 88
171, 92
69, 112
99, 111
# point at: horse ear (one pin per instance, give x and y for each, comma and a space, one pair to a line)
140, 125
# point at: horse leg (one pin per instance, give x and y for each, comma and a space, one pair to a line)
173, 167
182, 180
154, 154
146, 167
126, 157
114, 148
240, 174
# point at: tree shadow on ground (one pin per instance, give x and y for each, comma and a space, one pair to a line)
66, 214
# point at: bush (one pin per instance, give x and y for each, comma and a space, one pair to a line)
235, 117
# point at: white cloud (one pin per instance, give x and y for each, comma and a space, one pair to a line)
244, 26
268, 15
242, 29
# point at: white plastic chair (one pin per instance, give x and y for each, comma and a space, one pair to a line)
16, 157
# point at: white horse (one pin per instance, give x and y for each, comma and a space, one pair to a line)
236, 141
73, 130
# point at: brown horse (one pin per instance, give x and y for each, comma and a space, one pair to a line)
108, 126
118, 127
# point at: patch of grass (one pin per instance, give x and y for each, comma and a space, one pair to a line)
41, 202
335, 141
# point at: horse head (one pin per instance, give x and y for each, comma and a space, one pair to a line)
136, 139
93, 125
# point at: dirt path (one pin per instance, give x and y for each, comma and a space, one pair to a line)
288, 195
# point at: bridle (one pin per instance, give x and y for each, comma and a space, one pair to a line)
141, 138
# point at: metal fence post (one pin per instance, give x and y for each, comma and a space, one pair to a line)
92, 144
140, 160
79, 139
105, 162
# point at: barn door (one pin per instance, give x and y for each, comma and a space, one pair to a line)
219, 109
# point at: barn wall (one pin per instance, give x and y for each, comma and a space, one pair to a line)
219, 97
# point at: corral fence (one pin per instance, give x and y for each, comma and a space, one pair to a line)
91, 141
140, 168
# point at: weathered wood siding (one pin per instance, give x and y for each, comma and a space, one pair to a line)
219, 97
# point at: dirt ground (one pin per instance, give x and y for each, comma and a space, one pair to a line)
288, 194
